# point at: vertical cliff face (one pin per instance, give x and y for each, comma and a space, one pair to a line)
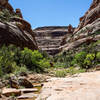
14, 29
50, 38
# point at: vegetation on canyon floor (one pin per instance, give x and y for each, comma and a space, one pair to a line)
15, 60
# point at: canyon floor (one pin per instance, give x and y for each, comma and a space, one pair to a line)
84, 86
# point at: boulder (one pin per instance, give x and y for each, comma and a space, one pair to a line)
14, 84
70, 29
18, 12
9, 92
25, 82
97, 67
28, 96
5, 4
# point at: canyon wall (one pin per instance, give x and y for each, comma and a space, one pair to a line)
50, 38
14, 29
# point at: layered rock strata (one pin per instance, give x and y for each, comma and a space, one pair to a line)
49, 39
16, 30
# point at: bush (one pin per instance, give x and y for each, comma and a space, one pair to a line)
98, 56
89, 60
60, 73
79, 59
15, 60
21, 69
59, 65
34, 60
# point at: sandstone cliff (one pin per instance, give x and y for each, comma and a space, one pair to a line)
91, 15
49, 38
14, 29
88, 30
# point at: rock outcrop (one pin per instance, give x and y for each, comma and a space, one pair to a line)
91, 15
50, 38
15, 30
88, 34
5, 4
88, 30
18, 12
11, 34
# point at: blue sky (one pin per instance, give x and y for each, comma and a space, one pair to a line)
52, 12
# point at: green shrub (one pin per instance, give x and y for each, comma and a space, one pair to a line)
21, 69
60, 73
15, 60
89, 60
34, 60
79, 59
59, 65
98, 56
72, 70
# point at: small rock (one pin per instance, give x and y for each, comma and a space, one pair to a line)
28, 90
38, 85
14, 84
0, 93
23, 74
27, 96
25, 82
1, 85
97, 67
9, 92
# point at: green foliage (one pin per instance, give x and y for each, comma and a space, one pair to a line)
69, 71
5, 15
14, 60
59, 65
34, 60
89, 60
21, 69
72, 70
85, 56
98, 56
60, 73
79, 59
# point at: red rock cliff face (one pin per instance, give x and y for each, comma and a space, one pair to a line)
90, 16
16, 30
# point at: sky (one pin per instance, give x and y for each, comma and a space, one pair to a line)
41, 13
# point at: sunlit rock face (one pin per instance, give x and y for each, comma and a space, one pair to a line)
90, 16
88, 30
14, 29
50, 38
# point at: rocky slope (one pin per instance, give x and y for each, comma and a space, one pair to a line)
91, 15
14, 29
88, 30
49, 39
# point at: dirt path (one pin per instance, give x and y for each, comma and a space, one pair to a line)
85, 86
